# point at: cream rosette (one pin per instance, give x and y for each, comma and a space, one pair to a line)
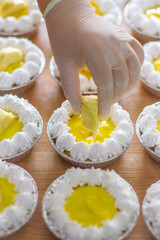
108, 9
149, 74
87, 85
16, 215
34, 62
24, 24
148, 130
96, 152
59, 222
32, 123
141, 18
151, 209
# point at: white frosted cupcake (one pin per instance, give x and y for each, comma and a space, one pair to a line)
150, 70
86, 81
90, 204
151, 209
21, 62
18, 198
19, 17
148, 130
108, 9
78, 146
143, 16
20, 127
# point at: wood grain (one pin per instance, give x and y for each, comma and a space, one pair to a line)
44, 164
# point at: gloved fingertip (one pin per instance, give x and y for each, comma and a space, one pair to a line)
76, 106
104, 112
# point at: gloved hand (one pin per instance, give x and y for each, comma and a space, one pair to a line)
80, 38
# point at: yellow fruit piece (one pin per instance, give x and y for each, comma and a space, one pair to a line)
6, 119
90, 205
10, 59
153, 13
14, 8
9, 124
85, 72
7, 193
89, 111
97, 8
156, 64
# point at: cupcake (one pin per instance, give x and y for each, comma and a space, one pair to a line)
151, 209
20, 127
148, 130
19, 17
90, 204
150, 70
21, 62
79, 145
143, 16
86, 81
108, 9
18, 198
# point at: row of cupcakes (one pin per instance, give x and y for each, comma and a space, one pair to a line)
21, 127
23, 17
81, 204
21, 62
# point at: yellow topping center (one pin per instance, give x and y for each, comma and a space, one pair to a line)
85, 72
153, 13
10, 59
7, 193
90, 205
158, 126
82, 134
156, 64
9, 125
97, 8
13, 8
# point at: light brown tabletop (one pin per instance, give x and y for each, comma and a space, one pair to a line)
45, 165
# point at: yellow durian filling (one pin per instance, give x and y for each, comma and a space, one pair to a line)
13, 8
158, 126
85, 72
82, 134
90, 205
153, 13
7, 193
156, 64
97, 8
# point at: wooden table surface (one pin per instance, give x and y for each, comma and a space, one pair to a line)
45, 165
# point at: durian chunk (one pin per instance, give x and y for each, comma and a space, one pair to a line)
89, 111
6, 119
8, 56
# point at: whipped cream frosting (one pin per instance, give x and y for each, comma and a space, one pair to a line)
30, 119
120, 138
34, 59
148, 72
151, 209
24, 23
15, 216
125, 200
134, 15
111, 10
149, 135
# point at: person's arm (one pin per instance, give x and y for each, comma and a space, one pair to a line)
80, 38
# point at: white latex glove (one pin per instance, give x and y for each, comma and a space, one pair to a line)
80, 38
